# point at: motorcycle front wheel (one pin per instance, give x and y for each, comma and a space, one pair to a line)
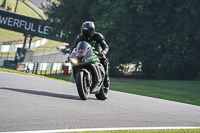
82, 88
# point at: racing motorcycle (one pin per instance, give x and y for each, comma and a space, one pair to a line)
88, 72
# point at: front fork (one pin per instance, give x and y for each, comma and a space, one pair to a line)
88, 76
88, 79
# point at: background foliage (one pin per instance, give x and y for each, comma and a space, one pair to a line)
162, 35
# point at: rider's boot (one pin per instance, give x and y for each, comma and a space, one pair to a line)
106, 81
104, 61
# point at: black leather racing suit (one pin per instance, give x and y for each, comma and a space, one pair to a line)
97, 41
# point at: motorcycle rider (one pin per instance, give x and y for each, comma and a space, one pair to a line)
97, 40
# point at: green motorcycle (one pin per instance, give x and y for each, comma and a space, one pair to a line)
88, 72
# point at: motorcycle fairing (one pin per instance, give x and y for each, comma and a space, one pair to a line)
99, 76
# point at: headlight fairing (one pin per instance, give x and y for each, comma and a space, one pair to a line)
74, 61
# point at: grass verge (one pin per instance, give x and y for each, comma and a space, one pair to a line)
51, 44
152, 131
29, 74
180, 91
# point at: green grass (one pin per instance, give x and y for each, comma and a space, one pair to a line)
151, 131
7, 36
45, 50
6, 53
49, 47
180, 91
23, 9
14, 37
51, 44
29, 74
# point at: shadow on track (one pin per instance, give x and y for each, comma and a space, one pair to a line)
43, 93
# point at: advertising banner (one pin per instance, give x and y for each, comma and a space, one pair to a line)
27, 25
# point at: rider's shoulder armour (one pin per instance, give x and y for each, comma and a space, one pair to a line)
98, 36
79, 37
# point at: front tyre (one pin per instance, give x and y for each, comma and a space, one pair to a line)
103, 94
81, 85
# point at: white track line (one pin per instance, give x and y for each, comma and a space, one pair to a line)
103, 129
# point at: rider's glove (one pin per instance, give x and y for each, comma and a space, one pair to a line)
100, 54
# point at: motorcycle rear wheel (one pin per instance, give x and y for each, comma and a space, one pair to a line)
81, 85
103, 94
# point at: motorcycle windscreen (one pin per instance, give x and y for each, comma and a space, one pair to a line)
73, 54
82, 48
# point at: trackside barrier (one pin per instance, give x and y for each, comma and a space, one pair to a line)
44, 68
1, 62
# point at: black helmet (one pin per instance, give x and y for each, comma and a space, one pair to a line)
88, 29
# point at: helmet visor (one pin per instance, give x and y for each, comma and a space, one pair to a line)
86, 33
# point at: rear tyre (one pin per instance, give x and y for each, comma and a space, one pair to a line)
83, 90
103, 94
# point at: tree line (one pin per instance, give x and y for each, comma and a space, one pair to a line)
162, 35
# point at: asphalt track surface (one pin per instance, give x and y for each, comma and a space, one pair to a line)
31, 103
